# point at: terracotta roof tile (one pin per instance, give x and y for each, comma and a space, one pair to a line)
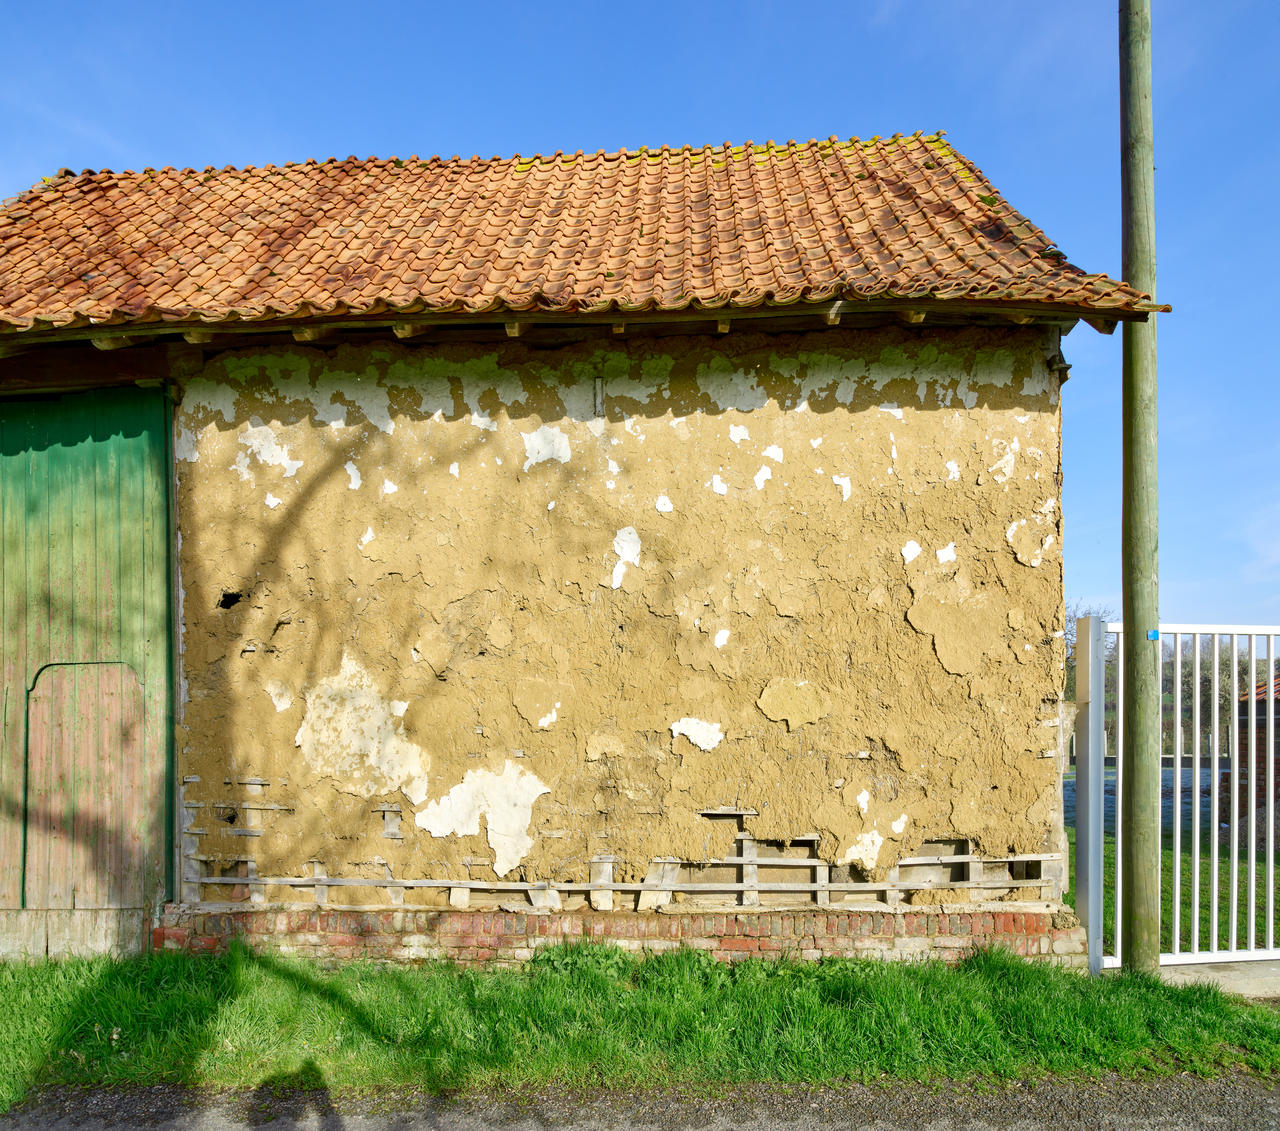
661, 230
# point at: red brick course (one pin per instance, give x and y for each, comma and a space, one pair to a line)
480, 937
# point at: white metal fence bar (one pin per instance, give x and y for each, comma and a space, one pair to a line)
1197, 793
1215, 802
1176, 924
1240, 767
1090, 758
1251, 909
1271, 791
1118, 822
1233, 898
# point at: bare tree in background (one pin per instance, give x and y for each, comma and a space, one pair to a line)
1076, 609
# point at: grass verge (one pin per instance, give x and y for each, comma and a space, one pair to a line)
595, 1016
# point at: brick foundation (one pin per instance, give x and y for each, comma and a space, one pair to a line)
509, 938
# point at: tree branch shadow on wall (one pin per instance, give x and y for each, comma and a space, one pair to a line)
290, 540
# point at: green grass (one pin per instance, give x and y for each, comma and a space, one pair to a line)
594, 1016
1187, 881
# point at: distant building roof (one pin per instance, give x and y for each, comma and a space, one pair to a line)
1260, 691
662, 230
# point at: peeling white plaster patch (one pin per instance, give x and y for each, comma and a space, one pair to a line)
729, 387
264, 444
613, 468
354, 473
481, 419
626, 544
1003, 467
864, 799
719, 486
551, 505
210, 395
185, 447
609, 484
911, 551
389, 488
366, 537
549, 717
899, 825
722, 638
774, 453
271, 501
453, 470
1039, 382
281, 696
891, 407
543, 444
1048, 506
704, 735
350, 733
947, 553
399, 707
815, 442
663, 505
845, 485
864, 851
762, 476
505, 801
953, 470
371, 399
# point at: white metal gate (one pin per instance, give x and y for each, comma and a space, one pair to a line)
1219, 780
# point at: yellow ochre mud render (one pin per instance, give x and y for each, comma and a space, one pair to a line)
486, 612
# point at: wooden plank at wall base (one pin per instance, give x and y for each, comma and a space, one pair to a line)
28, 935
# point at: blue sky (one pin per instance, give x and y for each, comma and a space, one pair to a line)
1028, 90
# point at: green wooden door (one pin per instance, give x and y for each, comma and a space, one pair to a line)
85, 797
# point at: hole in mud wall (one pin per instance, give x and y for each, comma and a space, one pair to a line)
230, 599
1025, 869
233, 893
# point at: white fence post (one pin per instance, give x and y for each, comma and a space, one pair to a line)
1091, 749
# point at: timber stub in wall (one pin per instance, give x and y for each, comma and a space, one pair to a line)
491, 613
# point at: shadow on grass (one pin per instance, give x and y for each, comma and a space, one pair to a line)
293, 1095
89, 1022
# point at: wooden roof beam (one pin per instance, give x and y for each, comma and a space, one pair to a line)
313, 333
407, 331
119, 341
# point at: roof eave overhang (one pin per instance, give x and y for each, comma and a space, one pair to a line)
408, 327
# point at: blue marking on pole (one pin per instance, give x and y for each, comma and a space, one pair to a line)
1153, 634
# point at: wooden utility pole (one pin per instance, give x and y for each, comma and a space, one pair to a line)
1140, 843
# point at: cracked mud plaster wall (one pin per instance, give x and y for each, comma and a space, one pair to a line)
817, 576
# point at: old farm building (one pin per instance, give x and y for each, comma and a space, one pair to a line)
657, 545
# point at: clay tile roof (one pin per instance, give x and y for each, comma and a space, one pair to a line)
902, 218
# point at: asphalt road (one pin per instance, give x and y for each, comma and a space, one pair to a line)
1183, 1101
